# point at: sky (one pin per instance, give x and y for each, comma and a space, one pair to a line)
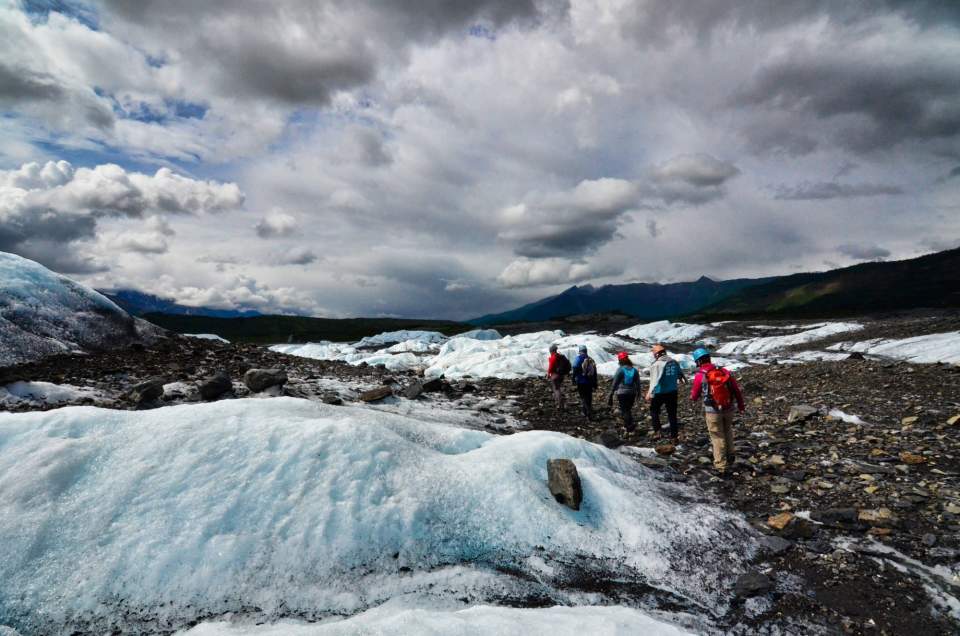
442, 159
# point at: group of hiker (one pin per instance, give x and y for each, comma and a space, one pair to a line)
712, 385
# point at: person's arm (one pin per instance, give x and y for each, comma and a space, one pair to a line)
577, 369
695, 390
617, 379
738, 393
656, 372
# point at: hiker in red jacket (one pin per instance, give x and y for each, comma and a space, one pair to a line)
558, 368
718, 390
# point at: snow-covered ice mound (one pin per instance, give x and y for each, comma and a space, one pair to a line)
391, 337
521, 356
770, 344
43, 313
207, 336
290, 508
665, 331
934, 347
484, 619
43, 393
481, 334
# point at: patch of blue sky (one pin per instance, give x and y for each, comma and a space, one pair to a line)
482, 31
82, 12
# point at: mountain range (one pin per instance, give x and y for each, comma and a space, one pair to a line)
137, 303
931, 281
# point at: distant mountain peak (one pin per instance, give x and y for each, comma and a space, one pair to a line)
705, 279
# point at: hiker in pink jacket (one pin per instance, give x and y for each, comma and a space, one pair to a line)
718, 391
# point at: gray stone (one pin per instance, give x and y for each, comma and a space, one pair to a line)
752, 584
929, 540
610, 439
564, 482
214, 386
775, 545
433, 386
259, 379
856, 355
835, 515
377, 394
800, 413
146, 391
413, 391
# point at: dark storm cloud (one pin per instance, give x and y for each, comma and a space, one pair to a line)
863, 252
874, 104
298, 52
655, 21
63, 258
816, 190
18, 84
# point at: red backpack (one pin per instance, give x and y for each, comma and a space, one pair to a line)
718, 381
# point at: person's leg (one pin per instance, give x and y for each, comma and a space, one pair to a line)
717, 440
555, 384
670, 399
626, 411
728, 436
588, 400
585, 393
655, 405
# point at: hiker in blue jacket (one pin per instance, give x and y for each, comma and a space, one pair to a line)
585, 379
626, 386
665, 373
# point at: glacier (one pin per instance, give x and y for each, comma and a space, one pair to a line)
43, 313
286, 508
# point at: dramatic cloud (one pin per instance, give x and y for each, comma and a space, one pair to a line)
55, 204
275, 224
833, 190
551, 271
451, 159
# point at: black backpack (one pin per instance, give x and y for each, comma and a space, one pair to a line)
562, 365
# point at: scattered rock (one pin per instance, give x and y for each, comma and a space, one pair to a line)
214, 386
907, 421
413, 391
912, 458
856, 355
610, 439
775, 545
147, 391
953, 421
665, 449
331, 399
929, 540
835, 515
780, 521
752, 584
433, 386
800, 413
878, 516
799, 529
258, 380
564, 482
374, 395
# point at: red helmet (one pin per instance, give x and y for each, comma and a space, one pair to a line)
623, 356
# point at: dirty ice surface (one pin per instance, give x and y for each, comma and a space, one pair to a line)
300, 509
935, 347
480, 619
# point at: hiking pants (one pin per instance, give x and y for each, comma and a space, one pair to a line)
720, 426
670, 400
586, 399
556, 384
626, 401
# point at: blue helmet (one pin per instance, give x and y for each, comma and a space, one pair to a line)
699, 353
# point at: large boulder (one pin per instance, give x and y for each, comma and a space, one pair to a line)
752, 584
258, 380
147, 391
214, 386
377, 394
564, 482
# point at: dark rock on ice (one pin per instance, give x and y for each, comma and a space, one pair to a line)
564, 482
260, 379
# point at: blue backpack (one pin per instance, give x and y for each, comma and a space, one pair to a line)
629, 375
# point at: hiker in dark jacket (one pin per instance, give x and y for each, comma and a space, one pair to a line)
626, 386
585, 379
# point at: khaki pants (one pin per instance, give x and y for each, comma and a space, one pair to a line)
720, 426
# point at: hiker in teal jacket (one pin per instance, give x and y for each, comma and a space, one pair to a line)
626, 386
